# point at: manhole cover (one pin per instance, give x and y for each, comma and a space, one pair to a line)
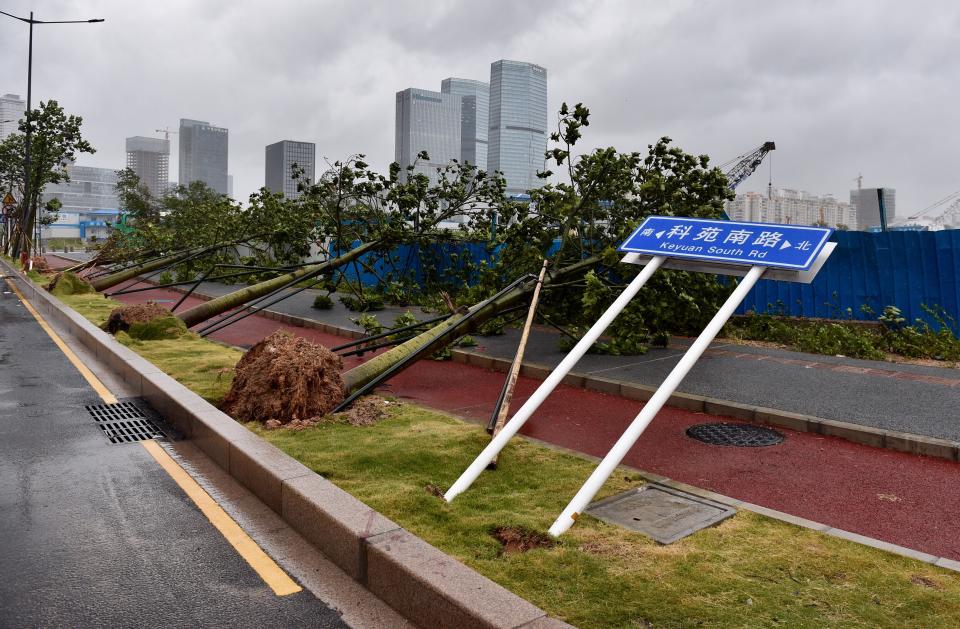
124, 422
663, 513
740, 435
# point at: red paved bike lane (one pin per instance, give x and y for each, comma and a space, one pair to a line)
899, 498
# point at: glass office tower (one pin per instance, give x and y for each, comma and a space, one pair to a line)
518, 123
203, 154
427, 121
474, 117
280, 158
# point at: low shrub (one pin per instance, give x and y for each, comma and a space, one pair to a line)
322, 302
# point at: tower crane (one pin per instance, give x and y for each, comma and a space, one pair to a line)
166, 133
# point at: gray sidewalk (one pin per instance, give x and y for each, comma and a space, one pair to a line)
891, 396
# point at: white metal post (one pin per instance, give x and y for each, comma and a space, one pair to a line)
547, 386
653, 406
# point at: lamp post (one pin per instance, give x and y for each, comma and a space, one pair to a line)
27, 210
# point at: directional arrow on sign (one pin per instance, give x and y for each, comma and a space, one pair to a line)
659, 234
786, 244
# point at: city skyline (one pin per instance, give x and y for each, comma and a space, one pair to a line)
865, 100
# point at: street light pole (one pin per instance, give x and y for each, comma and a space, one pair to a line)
26, 212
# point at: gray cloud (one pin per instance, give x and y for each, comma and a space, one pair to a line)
843, 87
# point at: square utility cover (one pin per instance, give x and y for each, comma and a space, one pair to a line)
663, 513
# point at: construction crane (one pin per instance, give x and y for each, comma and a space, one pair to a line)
742, 166
953, 196
166, 133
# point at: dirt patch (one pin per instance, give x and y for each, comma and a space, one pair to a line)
122, 318
518, 539
67, 283
924, 581
367, 411
285, 378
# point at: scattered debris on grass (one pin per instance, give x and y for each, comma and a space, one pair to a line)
67, 283
122, 318
285, 378
519, 539
434, 490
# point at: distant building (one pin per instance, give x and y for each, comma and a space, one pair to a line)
12, 108
474, 118
791, 207
518, 123
427, 121
203, 154
280, 158
149, 158
867, 205
88, 202
230, 186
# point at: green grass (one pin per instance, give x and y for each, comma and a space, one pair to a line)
749, 571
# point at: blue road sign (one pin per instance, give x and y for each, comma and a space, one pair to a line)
764, 244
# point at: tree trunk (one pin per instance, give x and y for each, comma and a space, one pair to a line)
434, 340
109, 281
214, 307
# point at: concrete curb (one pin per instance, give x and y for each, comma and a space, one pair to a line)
425, 585
865, 435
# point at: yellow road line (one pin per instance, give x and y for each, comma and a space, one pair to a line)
272, 574
94, 382
269, 571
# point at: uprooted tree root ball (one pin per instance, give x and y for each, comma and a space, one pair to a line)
122, 318
287, 379
67, 283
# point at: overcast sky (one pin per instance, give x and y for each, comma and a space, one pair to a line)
843, 87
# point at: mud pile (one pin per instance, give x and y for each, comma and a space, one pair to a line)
285, 378
122, 318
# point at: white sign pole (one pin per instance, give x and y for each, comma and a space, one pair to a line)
653, 406
534, 401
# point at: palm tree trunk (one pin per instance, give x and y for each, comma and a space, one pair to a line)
434, 339
109, 281
214, 307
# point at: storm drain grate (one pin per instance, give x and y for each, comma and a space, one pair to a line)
124, 422
738, 435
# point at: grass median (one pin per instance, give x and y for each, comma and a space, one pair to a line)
747, 571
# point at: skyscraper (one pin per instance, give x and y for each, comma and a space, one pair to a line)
474, 117
149, 158
867, 204
280, 158
427, 121
518, 123
12, 108
203, 154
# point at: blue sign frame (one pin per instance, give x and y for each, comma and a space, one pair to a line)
756, 244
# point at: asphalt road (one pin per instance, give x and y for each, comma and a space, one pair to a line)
98, 535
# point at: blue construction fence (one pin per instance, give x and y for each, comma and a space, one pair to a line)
415, 261
905, 269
